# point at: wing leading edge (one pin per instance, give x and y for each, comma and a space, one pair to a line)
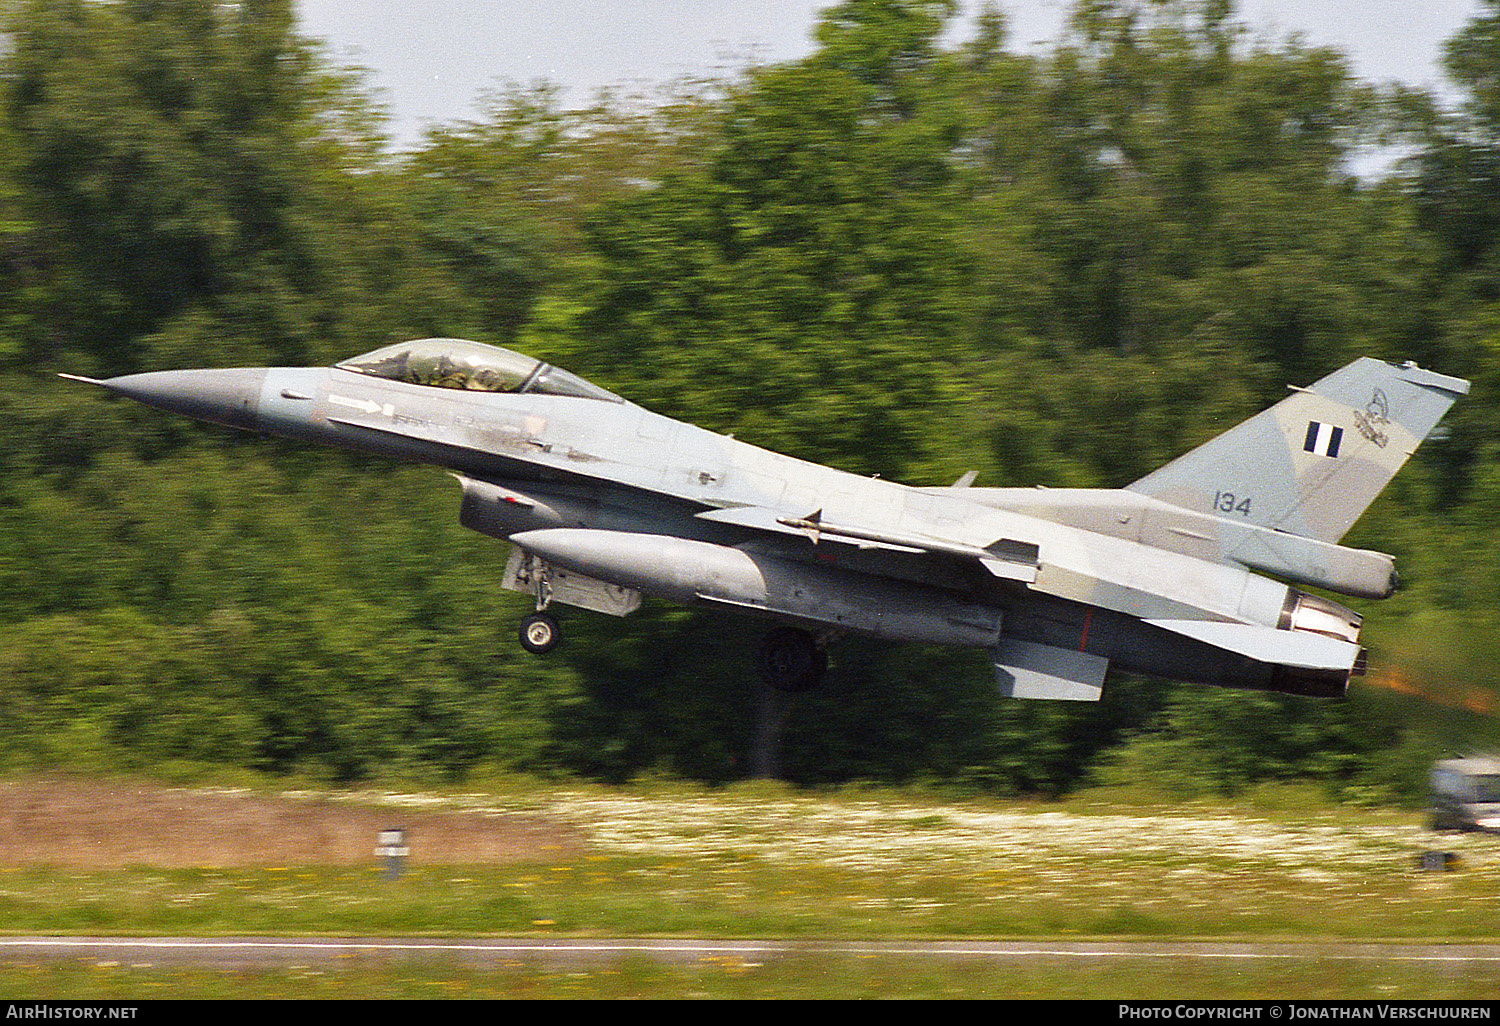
1004, 558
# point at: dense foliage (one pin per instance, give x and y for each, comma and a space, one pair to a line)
895, 256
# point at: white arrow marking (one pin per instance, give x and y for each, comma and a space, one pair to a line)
363, 405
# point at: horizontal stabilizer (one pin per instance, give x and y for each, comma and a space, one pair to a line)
1025, 669
1302, 649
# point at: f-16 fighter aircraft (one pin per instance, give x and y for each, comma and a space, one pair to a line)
605, 502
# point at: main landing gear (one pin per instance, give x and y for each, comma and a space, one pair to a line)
790, 659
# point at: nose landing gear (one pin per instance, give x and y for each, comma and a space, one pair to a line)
539, 633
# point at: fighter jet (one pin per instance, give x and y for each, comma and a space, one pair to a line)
1181, 575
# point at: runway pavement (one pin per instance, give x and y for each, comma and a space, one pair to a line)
326, 952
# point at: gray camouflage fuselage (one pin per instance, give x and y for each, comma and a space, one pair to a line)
1058, 583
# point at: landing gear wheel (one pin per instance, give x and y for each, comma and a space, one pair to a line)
790, 660
539, 633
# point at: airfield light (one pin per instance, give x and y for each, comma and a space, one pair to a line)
393, 849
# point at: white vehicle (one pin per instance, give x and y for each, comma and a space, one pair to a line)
1466, 794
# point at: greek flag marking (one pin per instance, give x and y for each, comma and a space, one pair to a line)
1322, 439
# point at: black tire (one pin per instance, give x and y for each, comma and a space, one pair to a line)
789, 660
539, 634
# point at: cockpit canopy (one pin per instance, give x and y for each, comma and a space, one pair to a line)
472, 366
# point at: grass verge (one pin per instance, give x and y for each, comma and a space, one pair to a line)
766, 861
794, 977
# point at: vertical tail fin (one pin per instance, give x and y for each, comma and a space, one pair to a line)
1313, 463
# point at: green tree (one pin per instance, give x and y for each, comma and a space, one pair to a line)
201, 181
893, 256
1169, 233
814, 249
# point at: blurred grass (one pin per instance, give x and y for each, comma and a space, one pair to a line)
746, 899
790, 977
764, 860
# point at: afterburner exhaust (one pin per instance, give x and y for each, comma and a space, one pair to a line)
1311, 614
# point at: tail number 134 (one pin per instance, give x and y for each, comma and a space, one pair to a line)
1229, 502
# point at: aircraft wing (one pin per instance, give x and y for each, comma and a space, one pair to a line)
1005, 558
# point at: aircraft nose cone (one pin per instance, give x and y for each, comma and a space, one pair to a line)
228, 397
